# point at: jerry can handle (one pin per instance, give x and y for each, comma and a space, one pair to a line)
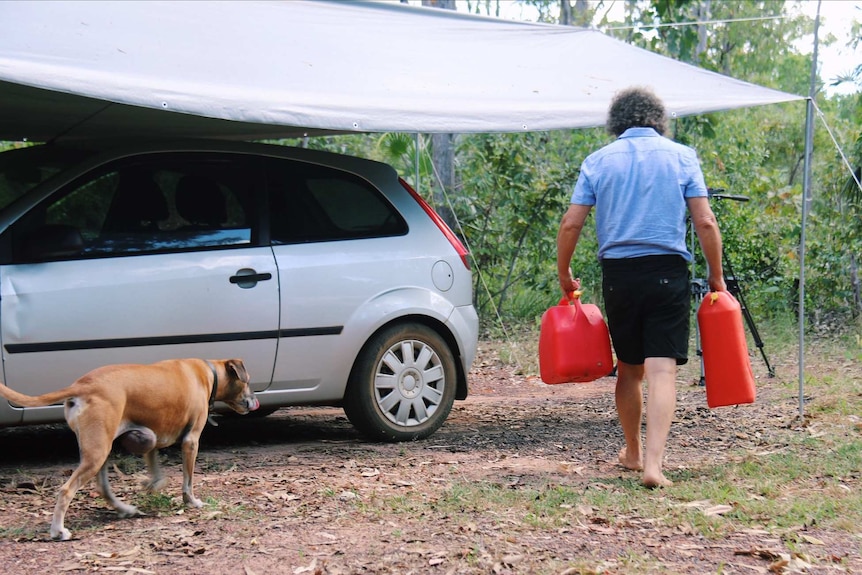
571, 297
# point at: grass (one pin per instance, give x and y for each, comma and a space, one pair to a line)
157, 503
777, 493
20, 532
809, 477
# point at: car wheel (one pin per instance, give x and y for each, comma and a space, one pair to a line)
403, 384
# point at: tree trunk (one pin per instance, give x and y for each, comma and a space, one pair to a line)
581, 7
565, 13
855, 283
702, 16
446, 4
578, 17
443, 158
630, 7
443, 153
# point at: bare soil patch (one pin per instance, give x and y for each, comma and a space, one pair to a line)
301, 492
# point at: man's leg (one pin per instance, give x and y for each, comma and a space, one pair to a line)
629, 400
661, 403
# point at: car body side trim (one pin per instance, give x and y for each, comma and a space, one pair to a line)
168, 340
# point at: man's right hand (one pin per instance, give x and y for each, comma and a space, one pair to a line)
569, 284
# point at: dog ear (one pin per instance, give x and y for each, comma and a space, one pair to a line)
236, 370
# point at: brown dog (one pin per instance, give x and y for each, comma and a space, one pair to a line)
147, 407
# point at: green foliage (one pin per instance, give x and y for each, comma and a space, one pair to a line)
517, 188
513, 188
510, 205
759, 153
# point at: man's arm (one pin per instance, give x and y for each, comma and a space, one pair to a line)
709, 235
567, 239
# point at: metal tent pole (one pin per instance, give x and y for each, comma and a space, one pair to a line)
806, 200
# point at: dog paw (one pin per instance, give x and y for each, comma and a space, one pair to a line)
192, 501
155, 485
61, 534
126, 511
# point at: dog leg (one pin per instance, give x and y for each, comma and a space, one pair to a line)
95, 439
190, 454
157, 480
92, 458
123, 509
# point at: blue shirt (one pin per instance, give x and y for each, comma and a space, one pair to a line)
638, 185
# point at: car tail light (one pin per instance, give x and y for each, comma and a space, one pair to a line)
435, 217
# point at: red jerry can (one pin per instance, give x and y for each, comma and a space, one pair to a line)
574, 344
726, 364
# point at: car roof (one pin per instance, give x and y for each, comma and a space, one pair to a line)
118, 148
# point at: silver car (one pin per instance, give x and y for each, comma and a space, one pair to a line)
326, 274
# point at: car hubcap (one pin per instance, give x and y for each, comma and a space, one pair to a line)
409, 383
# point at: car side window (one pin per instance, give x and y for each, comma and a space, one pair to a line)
148, 205
309, 203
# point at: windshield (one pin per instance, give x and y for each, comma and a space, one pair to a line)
22, 169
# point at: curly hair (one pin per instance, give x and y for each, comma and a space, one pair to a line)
636, 108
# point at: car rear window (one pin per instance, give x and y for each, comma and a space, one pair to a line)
310, 203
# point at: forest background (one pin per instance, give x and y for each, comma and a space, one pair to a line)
505, 193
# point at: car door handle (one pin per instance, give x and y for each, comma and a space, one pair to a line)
248, 278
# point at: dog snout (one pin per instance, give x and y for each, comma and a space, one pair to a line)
251, 402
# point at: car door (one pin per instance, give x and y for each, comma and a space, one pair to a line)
338, 243
144, 259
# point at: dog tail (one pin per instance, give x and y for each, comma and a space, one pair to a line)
50, 398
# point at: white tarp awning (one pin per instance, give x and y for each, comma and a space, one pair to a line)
264, 69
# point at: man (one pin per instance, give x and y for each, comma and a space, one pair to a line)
641, 185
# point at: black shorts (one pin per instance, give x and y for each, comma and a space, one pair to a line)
647, 301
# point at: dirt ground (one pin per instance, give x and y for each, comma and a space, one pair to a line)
299, 492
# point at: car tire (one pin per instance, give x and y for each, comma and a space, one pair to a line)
402, 386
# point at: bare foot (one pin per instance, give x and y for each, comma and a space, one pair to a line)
633, 463
653, 481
